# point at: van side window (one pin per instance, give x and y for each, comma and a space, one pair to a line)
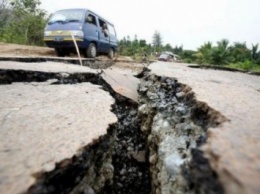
111, 29
104, 28
91, 19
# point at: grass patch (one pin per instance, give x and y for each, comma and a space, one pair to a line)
245, 66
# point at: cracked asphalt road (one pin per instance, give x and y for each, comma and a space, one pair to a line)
233, 148
41, 124
31, 140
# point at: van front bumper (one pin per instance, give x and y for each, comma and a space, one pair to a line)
63, 42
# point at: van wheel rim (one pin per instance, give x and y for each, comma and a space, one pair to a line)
111, 53
93, 51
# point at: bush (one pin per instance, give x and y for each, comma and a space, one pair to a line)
246, 66
25, 24
187, 61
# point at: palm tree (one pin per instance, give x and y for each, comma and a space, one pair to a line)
204, 53
254, 51
223, 43
220, 55
240, 52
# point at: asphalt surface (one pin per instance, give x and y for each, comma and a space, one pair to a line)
233, 148
122, 81
42, 124
31, 140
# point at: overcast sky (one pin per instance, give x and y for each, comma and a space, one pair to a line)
180, 22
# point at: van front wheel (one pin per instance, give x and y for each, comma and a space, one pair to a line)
91, 51
60, 52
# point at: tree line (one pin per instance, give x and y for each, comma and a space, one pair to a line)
137, 47
223, 53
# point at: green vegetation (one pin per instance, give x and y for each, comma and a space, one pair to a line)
22, 22
237, 55
138, 48
245, 66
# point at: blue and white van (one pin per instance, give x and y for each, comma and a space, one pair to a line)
92, 33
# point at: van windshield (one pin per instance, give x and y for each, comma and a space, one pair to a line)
65, 16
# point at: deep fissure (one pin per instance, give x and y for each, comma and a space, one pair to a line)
133, 157
177, 126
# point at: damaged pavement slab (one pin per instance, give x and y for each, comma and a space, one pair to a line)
44, 123
168, 121
233, 147
123, 83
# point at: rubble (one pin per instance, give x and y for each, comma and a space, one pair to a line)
177, 126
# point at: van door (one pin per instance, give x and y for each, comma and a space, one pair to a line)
90, 29
103, 36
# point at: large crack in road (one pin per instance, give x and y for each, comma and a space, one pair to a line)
153, 148
92, 63
177, 126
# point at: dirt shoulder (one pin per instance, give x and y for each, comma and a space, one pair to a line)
16, 50
24, 50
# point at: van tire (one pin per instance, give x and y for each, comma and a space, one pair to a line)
91, 51
60, 52
111, 53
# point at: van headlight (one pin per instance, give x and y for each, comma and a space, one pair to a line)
47, 33
78, 33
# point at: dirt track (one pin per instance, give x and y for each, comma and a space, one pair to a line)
124, 63
24, 50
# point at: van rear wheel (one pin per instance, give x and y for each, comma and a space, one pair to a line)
91, 51
111, 53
